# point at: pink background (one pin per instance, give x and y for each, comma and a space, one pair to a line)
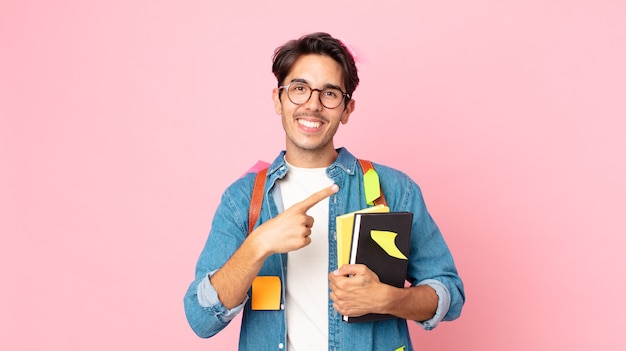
121, 122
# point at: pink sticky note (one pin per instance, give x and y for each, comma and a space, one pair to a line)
256, 168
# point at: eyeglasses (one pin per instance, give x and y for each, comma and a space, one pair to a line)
299, 93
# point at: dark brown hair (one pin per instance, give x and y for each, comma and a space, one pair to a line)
316, 43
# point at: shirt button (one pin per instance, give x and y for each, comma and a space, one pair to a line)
282, 306
280, 346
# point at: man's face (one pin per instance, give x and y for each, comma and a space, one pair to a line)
310, 127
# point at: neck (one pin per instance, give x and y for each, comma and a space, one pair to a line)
310, 159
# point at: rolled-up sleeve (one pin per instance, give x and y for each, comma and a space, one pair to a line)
443, 303
207, 298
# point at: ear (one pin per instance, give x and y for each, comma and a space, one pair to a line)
347, 111
278, 106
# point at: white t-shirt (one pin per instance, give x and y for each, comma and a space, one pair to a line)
307, 268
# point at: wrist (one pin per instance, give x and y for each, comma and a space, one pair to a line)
257, 247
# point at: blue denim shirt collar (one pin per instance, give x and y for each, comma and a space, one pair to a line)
345, 162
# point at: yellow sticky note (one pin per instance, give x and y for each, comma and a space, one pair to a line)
266, 293
371, 185
387, 240
401, 348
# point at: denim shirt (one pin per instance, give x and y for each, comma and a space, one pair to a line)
430, 262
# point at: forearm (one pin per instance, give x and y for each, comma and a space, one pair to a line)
233, 280
418, 303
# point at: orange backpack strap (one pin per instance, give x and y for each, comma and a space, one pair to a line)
256, 201
366, 166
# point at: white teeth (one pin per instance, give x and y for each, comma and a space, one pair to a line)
309, 124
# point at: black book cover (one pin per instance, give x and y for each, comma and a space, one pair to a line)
381, 241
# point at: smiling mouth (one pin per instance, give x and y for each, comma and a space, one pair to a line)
309, 124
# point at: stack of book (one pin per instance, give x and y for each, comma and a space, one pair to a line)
379, 239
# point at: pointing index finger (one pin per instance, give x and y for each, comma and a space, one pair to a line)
312, 200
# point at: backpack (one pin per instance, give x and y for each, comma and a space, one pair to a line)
256, 201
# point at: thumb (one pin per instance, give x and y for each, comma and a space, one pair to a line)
346, 269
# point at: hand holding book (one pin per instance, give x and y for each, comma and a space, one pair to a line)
356, 290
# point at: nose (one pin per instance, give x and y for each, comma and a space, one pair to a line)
314, 102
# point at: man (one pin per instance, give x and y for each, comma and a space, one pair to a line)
308, 185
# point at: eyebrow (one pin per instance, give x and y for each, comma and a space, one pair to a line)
327, 85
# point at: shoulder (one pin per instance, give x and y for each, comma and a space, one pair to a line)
400, 190
390, 174
240, 191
